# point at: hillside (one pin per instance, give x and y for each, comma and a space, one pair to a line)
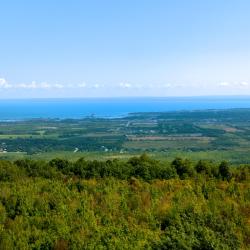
140, 203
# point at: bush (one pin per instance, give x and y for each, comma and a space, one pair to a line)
9, 172
224, 170
183, 167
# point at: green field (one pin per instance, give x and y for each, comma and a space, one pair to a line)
211, 134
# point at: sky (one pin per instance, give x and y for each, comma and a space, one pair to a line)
114, 48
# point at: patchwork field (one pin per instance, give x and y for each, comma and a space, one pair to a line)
211, 134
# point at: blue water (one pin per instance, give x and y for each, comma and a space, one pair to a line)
111, 107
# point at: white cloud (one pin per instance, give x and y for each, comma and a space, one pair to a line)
149, 86
58, 86
234, 84
167, 85
125, 85
32, 85
35, 85
244, 84
96, 86
82, 85
161, 88
44, 85
224, 84
21, 86
4, 84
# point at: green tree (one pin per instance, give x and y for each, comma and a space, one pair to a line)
183, 167
224, 170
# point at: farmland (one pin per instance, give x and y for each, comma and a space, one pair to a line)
211, 134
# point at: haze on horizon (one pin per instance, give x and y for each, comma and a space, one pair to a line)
118, 48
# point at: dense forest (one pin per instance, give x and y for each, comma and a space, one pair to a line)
139, 203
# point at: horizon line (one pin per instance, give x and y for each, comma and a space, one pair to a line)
127, 97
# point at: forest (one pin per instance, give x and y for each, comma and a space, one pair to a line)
134, 203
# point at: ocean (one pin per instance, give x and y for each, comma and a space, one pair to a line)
110, 107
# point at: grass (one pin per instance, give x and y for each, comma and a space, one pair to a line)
234, 157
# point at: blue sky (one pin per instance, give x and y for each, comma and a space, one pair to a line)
94, 48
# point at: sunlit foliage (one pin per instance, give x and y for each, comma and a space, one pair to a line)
140, 203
